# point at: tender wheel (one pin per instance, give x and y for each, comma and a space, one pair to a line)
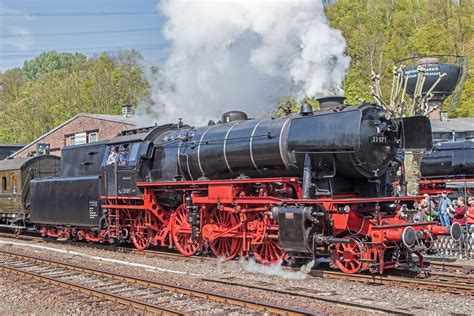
181, 232
348, 256
225, 247
139, 233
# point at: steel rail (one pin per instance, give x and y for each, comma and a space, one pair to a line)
221, 298
383, 279
91, 291
452, 267
388, 310
389, 279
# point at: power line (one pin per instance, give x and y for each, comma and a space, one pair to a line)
81, 48
101, 13
85, 32
111, 50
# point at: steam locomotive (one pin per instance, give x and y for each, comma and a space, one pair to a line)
313, 184
448, 167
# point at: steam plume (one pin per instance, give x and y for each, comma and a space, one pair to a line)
244, 54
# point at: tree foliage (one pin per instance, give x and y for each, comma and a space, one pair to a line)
381, 32
53, 87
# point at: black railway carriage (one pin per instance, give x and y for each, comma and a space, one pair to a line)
448, 167
16, 176
452, 159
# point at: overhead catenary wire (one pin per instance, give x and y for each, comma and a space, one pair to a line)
60, 14
161, 47
81, 33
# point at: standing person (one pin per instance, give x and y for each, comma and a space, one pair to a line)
122, 157
428, 207
112, 159
470, 213
442, 209
452, 209
460, 212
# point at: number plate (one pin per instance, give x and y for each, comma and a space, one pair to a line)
377, 139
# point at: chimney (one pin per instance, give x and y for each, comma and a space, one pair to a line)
330, 102
443, 116
127, 110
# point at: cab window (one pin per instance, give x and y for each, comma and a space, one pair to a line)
132, 153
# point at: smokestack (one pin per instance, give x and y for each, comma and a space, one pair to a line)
330, 102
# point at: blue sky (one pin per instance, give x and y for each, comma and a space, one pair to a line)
29, 27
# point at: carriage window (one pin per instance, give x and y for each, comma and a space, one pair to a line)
4, 184
14, 184
132, 156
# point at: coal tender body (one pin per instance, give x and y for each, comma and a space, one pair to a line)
299, 186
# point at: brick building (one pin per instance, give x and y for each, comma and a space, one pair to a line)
82, 128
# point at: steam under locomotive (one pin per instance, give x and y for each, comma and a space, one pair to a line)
294, 187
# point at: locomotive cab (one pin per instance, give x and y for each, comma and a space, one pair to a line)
120, 163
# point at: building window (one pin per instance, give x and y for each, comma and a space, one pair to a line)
4, 184
71, 140
93, 137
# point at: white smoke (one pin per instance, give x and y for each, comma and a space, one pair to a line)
243, 55
250, 265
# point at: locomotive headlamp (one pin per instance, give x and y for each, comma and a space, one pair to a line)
409, 236
455, 231
385, 115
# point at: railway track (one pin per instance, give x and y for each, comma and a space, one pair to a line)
146, 295
439, 283
439, 279
454, 267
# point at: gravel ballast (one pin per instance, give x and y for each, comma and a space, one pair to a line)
191, 273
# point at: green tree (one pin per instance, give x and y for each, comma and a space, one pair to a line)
51, 61
101, 84
381, 32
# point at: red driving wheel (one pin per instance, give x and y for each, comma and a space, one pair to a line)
181, 232
349, 255
139, 233
268, 251
225, 247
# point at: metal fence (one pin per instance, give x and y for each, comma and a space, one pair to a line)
464, 248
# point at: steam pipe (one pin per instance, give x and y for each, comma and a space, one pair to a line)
307, 170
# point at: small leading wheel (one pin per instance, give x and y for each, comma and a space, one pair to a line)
139, 233
225, 247
181, 232
349, 255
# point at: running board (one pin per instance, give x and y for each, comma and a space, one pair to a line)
11, 226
